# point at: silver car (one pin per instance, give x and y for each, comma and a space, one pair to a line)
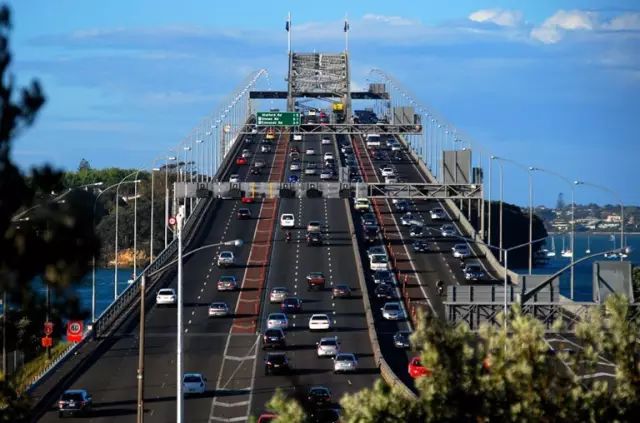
294, 166
326, 174
392, 311
218, 309
345, 362
311, 169
448, 230
328, 346
277, 321
278, 294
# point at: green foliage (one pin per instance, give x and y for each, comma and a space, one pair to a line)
635, 279
287, 410
384, 404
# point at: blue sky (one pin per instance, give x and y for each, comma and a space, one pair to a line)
554, 84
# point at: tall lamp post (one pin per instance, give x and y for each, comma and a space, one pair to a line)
115, 275
501, 198
166, 197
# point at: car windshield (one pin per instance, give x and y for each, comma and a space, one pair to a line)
72, 396
279, 359
272, 332
165, 292
218, 305
227, 278
319, 318
344, 357
226, 254
276, 316
328, 343
378, 258
392, 307
192, 379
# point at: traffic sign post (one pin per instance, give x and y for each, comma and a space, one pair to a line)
172, 221
46, 342
278, 118
48, 328
74, 331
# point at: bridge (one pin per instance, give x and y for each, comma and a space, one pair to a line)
429, 171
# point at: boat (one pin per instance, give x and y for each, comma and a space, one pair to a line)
588, 250
616, 255
566, 252
552, 252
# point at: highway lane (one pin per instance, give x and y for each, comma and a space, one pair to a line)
112, 379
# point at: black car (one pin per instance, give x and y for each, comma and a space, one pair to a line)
314, 238
276, 362
383, 276
416, 231
401, 339
319, 396
385, 292
341, 291
403, 206
273, 338
370, 233
244, 213
325, 415
255, 171
420, 246
291, 305
74, 401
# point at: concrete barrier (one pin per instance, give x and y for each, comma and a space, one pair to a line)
387, 374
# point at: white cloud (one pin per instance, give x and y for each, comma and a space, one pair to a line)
553, 28
624, 22
499, 17
391, 20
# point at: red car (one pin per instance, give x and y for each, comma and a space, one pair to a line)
267, 417
293, 149
247, 200
315, 280
416, 369
241, 161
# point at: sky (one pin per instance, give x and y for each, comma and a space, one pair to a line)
553, 84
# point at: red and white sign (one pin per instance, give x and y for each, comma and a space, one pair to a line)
172, 221
46, 341
48, 328
74, 331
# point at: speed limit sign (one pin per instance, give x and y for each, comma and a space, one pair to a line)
172, 220
74, 331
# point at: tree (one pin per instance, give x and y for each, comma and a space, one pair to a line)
84, 165
55, 243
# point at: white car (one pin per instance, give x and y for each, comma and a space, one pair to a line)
310, 151
294, 166
218, 309
287, 220
378, 262
246, 153
265, 148
226, 258
328, 347
392, 311
461, 251
314, 226
448, 230
362, 204
326, 141
194, 383
278, 294
297, 137
319, 322
277, 321
326, 174
166, 296
387, 171
310, 169
235, 178
377, 249
328, 156
437, 214
345, 362
390, 180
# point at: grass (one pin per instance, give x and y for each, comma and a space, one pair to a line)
23, 377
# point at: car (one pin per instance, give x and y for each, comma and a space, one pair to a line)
234, 178
403, 206
392, 311
276, 362
385, 291
461, 251
406, 219
340, 291
218, 309
416, 369
314, 226
314, 238
396, 146
293, 149
346, 149
287, 220
370, 233
265, 148
325, 141
319, 322
326, 174
345, 362
420, 246
328, 156
416, 231
473, 272
448, 230
376, 249
267, 417
368, 219
247, 200
311, 169
278, 294
291, 305
387, 171
401, 339
292, 179
259, 163
325, 415
245, 153
254, 130
437, 214
255, 171
378, 262
352, 163
277, 320
383, 276
194, 383
227, 283
225, 259
297, 137
74, 401
362, 204
294, 156
357, 179
315, 280
396, 156
166, 296
328, 346
273, 338
318, 396
243, 214
248, 140
310, 151
294, 166
241, 161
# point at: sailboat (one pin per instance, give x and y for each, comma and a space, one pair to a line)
613, 256
588, 250
552, 252
566, 252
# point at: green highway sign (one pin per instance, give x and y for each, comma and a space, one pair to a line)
278, 118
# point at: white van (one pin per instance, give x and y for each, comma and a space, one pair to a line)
287, 220
373, 140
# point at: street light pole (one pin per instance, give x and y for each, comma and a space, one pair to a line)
140, 376
179, 393
166, 198
115, 275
